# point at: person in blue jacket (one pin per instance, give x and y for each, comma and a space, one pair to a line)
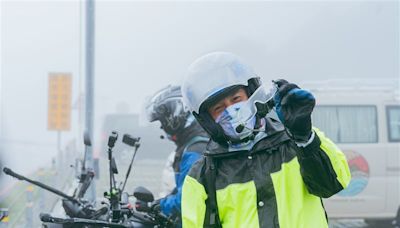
180, 126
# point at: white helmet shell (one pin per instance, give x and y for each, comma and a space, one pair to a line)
212, 73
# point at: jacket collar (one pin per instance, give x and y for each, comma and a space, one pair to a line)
274, 134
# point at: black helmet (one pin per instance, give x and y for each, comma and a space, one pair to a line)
167, 107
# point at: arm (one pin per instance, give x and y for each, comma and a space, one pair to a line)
323, 166
193, 200
172, 203
168, 177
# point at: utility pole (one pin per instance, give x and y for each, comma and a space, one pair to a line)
89, 84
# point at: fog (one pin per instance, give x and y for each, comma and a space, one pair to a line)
141, 46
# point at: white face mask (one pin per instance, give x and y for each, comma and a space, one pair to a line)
237, 121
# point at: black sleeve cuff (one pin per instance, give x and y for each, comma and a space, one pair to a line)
311, 149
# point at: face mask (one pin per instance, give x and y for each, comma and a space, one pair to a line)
237, 121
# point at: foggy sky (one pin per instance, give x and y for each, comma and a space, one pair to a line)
143, 46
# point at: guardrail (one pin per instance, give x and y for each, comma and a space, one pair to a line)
22, 202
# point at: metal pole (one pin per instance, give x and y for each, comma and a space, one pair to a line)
2, 93
58, 141
59, 160
90, 25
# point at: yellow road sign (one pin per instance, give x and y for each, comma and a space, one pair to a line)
4, 219
59, 102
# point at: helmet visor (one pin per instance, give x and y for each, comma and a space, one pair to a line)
166, 109
261, 95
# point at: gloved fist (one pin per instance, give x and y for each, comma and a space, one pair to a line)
142, 206
155, 206
294, 107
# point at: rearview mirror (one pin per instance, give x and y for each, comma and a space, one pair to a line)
86, 139
129, 140
124, 198
114, 168
142, 193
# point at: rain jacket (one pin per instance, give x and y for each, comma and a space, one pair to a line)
168, 177
275, 184
191, 146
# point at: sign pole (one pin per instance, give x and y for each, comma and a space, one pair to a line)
59, 153
90, 48
58, 141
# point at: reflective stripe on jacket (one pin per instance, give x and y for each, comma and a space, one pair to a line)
276, 184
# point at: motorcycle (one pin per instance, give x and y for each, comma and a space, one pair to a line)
75, 206
118, 211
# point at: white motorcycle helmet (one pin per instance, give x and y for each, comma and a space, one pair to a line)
215, 75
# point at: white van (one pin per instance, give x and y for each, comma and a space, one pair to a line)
364, 121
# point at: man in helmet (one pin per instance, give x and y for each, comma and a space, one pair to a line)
181, 127
266, 166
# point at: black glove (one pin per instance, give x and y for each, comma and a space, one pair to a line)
294, 107
155, 206
142, 206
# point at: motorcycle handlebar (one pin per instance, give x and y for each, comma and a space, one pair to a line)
11, 173
85, 183
37, 183
164, 219
99, 223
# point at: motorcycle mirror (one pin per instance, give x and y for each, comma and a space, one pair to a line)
129, 140
86, 139
124, 198
114, 166
143, 194
111, 140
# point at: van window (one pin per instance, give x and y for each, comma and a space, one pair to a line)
347, 124
393, 120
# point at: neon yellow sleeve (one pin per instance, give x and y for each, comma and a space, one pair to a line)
193, 203
336, 157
